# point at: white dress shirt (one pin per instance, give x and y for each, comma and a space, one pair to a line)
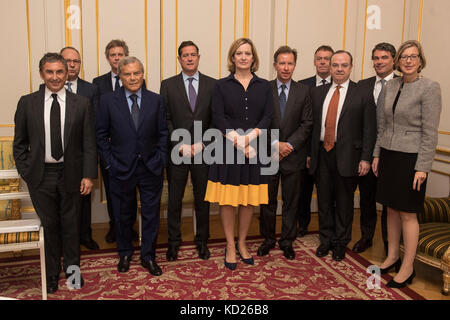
326, 103
319, 80
48, 99
113, 80
73, 86
377, 86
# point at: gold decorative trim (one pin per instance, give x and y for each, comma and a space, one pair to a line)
441, 172
404, 18
287, 22
7, 139
364, 41
161, 44
68, 32
98, 44
146, 40
442, 160
444, 132
443, 150
235, 8
7, 126
80, 5
176, 36
27, 5
220, 38
246, 18
345, 25
419, 27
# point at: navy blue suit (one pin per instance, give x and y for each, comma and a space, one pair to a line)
133, 158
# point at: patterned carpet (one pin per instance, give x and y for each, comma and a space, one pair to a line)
190, 278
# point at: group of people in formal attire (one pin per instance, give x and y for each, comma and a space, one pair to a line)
379, 134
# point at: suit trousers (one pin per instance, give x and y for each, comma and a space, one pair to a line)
334, 192
123, 197
290, 192
85, 218
304, 208
177, 178
59, 213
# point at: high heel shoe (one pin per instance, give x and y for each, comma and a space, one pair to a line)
397, 264
249, 261
394, 284
229, 265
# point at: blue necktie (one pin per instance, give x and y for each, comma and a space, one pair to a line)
192, 94
282, 101
135, 110
117, 84
69, 86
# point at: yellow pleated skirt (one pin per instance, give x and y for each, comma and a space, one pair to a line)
226, 194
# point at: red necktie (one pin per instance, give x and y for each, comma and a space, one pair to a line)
330, 121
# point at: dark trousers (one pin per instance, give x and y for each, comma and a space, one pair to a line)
177, 178
367, 203
304, 208
105, 177
59, 214
334, 192
290, 193
85, 218
123, 196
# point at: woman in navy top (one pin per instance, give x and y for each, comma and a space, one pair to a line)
241, 101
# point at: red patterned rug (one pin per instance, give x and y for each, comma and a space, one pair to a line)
190, 278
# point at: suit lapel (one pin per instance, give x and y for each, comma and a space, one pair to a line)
38, 108
145, 107
69, 117
182, 92
289, 103
108, 81
276, 101
347, 101
121, 104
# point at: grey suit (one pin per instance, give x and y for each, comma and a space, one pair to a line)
413, 127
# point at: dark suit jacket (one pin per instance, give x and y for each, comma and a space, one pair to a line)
85, 89
104, 84
80, 154
178, 109
296, 125
310, 82
119, 143
356, 131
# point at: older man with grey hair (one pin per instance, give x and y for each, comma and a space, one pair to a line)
132, 142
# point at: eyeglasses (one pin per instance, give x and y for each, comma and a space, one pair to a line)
73, 61
412, 57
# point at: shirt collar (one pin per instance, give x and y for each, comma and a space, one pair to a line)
343, 85
387, 78
254, 79
61, 94
287, 84
128, 93
195, 76
319, 79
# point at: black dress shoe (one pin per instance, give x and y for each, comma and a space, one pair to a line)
264, 249
397, 285
339, 253
124, 264
152, 266
249, 261
90, 244
111, 235
52, 284
301, 233
230, 265
172, 253
323, 250
397, 264
362, 245
203, 251
288, 252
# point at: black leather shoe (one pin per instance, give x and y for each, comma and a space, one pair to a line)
111, 235
397, 285
264, 249
301, 233
288, 252
52, 284
124, 264
339, 253
397, 264
203, 251
322, 250
152, 266
362, 245
249, 261
172, 253
90, 244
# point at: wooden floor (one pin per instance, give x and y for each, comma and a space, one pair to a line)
427, 283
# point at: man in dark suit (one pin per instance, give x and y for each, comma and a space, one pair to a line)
132, 141
383, 63
187, 98
54, 150
115, 50
343, 138
322, 58
79, 86
293, 119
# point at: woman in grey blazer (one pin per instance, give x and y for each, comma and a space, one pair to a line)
404, 152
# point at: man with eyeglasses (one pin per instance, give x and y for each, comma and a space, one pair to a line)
79, 86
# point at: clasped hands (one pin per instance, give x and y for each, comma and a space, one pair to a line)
243, 142
284, 149
190, 150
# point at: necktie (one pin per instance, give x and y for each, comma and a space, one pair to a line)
330, 121
55, 128
117, 84
192, 94
282, 98
134, 110
69, 86
323, 82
